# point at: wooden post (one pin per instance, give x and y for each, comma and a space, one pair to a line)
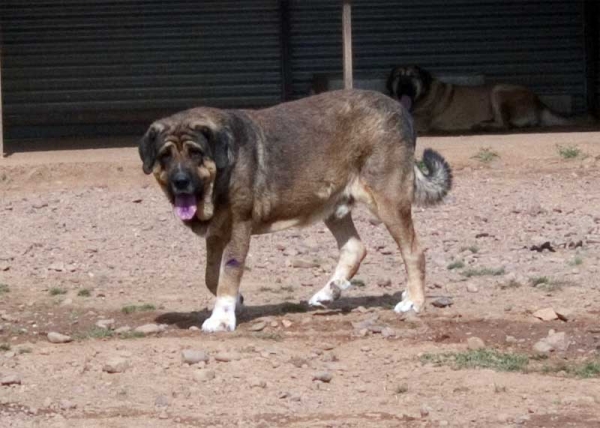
347, 39
286, 49
1, 116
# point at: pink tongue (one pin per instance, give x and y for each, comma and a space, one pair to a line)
185, 206
406, 102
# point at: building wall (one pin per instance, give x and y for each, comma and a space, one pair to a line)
538, 43
75, 67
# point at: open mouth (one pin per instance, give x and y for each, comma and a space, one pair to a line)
406, 101
185, 206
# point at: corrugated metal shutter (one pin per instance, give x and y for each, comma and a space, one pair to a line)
538, 43
72, 67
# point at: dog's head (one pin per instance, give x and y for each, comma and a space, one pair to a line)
408, 84
186, 152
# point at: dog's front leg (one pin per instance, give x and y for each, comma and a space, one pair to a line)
230, 276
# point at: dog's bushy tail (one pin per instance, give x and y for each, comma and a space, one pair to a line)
433, 184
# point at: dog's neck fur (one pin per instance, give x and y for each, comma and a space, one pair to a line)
428, 105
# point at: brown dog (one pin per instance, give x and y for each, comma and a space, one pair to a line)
440, 106
230, 174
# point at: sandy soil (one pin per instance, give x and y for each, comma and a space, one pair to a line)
90, 220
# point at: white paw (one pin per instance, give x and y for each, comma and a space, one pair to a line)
223, 316
219, 323
332, 291
405, 306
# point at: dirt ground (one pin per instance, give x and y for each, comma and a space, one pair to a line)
85, 234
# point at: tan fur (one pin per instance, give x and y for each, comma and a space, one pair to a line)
440, 106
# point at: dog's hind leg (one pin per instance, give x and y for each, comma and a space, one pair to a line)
352, 253
398, 220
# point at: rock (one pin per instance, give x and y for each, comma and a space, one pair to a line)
257, 383
510, 339
190, 356
54, 337
558, 341
107, 324
304, 264
204, 375
149, 329
10, 380
67, 302
47, 402
546, 314
161, 401
116, 365
384, 282
286, 323
472, 288
4, 266
475, 343
542, 347
425, 410
57, 267
442, 302
124, 329
67, 405
564, 314
259, 326
225, 357
324, 377
388, 332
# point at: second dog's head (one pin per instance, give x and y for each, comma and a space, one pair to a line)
185, 152
408, 84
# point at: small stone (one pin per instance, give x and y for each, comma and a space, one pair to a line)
225, 357
472, 288
546, 314
564, 314
57, 267
274, 324
304, 264
475, 343
67, 302
510, 339
558, 341
204, 375
54, 337
107, 324
327, 346
384, 282
425, 410
124, 329
163, 415
149, 329
161, 401
388, 332
542, 347
116, 365
257, 383
286, 323
190, 356
283, 395
442, 302
324, 377
67, 405
47, 402
259, 326
10, 380
194, 328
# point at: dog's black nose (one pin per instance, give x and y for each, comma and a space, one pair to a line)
181, 181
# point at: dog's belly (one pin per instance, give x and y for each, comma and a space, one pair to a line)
335, 207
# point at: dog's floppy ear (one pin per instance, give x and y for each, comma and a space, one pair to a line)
390, 82
147, 148
425, 76
220, 141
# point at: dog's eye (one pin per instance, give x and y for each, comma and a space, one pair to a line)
165, 157
194, 152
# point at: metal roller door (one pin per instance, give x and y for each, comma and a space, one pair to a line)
538, 43
77, 68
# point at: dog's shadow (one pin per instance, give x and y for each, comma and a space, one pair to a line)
185, 320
